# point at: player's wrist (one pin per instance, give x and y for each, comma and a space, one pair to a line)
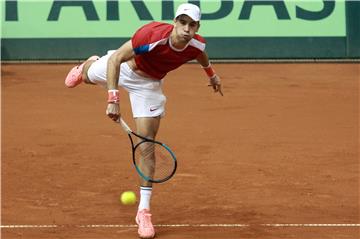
210, 72
113, 96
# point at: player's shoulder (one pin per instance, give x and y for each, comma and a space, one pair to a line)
156, 28
151, 32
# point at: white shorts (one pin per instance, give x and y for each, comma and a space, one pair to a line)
146, 96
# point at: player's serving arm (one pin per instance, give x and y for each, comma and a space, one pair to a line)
139, 67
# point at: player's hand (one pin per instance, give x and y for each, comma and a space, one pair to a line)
215, 83
113, 111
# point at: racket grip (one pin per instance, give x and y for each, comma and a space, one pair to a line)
124, 125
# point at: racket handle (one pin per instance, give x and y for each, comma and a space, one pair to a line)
124, 125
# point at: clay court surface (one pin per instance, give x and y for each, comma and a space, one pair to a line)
281, 147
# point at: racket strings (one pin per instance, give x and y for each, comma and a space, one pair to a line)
154, 161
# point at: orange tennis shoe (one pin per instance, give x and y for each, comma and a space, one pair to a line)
146, 228
74, 77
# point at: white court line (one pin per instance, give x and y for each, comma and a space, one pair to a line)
311, 225
28, 226
178, 225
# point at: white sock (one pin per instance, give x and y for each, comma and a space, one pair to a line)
145, 196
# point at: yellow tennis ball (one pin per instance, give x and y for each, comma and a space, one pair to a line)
128, 198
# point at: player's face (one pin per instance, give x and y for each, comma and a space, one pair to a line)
185, 28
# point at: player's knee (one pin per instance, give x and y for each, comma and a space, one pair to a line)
148, 126
85, 72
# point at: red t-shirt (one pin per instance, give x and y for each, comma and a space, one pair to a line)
154, 53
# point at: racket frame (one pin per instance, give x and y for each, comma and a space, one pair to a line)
134, 145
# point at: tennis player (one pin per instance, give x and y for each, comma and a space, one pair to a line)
140, 66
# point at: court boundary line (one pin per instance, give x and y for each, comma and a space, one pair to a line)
33, 226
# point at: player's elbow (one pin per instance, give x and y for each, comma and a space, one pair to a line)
119, 57
116, 59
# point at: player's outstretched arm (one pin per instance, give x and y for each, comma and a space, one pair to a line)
214, 79
123, 54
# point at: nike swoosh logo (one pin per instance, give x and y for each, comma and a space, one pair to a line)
153, 109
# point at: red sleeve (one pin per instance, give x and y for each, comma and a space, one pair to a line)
149, 34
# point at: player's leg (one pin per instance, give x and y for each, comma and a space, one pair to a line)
147, 127
92, 71
84, 75
148, 106
77, 73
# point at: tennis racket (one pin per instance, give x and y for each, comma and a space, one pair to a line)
153, 160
